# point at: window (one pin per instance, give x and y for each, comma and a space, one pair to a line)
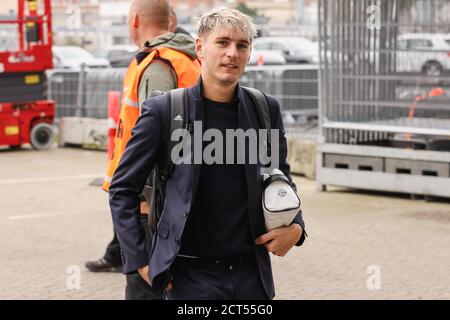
261, 46
419, 43
401, 44
277, 46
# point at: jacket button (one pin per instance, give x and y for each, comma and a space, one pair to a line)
186, 214
177, 240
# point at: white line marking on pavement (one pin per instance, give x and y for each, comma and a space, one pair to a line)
85, 176
32, 216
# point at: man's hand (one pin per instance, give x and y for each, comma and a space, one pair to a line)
280, 240
143, 272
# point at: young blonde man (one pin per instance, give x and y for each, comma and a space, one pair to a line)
211, 241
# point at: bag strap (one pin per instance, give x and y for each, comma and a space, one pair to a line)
275, 177
178, 117
262, 111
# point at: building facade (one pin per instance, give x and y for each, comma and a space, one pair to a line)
75, 22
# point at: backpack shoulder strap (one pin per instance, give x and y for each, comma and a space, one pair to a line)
177, 120
262, 110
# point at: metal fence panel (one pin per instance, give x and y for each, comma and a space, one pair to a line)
385, 73
63, 89
295, 87
98, 84
83, 93
385, 94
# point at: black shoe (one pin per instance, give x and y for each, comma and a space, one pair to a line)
102, 265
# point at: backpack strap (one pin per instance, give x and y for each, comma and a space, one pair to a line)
262, 110
177, 120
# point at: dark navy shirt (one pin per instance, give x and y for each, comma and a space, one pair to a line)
218, 224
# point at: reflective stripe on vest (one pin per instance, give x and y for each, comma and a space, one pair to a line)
130, 102
187, 71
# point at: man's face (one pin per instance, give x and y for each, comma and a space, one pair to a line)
223, 53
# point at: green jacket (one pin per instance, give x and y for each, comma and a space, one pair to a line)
158, 75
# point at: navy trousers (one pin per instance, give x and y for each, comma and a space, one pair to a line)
229, 278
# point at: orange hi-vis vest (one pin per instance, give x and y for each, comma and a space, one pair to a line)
187, 71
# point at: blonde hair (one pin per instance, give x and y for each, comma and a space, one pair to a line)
228, 18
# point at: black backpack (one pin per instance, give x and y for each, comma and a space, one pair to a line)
154, 190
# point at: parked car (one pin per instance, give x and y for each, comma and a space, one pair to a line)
294, 49
266, 57
428, 53
72, 57
119, 56
447, 38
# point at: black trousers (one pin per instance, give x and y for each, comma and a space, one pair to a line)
136, 287
112, 253
230, 278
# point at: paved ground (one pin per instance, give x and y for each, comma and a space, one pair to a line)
52, 221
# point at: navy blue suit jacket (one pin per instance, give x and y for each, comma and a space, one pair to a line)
140, 157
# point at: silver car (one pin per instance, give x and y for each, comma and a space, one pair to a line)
72, 57
428, 53
266, 57
294, 49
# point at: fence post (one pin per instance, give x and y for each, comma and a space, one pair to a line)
80, 111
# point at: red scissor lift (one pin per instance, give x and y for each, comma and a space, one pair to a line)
26, 116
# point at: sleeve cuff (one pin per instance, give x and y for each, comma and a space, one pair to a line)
303, 236
130, 265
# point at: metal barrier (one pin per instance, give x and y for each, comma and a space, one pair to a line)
295, 87
386, 78
385, 93
98, 84
63, 89
85, 93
